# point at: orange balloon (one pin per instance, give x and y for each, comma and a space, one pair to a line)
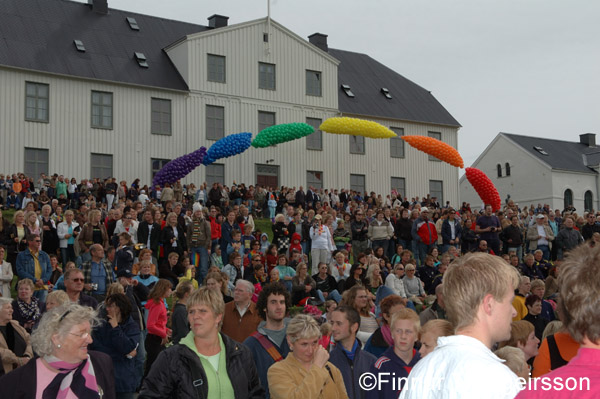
439, 149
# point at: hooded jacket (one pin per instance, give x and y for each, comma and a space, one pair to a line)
157, 318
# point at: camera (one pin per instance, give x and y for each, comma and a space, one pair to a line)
94, 286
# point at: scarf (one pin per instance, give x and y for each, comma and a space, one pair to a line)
30, 311
387, 334
78, 377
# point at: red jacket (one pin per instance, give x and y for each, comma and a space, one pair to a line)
215, 230
424, 234
157, 318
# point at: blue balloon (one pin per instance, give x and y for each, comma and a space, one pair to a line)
228, 146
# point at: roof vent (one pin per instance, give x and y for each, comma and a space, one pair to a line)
141, 60
540, 150
99, 6
588, 139
217, 21
319, 40
133, 23
386, 93
79, 45
347, 90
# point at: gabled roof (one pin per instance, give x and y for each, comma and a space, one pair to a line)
562, 155
39, 34
366, 77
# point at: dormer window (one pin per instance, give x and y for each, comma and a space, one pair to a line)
133, 23
347, 90
141, 60
386, 93
540, 150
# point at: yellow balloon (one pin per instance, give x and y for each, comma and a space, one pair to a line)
356, 127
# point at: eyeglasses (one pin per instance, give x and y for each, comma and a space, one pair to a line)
77, 280
84, 335
400, 268
410, 270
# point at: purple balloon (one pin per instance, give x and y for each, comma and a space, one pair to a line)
179, 167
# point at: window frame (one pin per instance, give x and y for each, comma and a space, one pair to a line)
316, 136
208, 117
397, 142
162, 161
439, 197
266, 113
312, 84
92, 167
364, 181
264, 77
357, 143
161, 113
393, 187
320, 183
37, 99
208, 176
101, 106
435, 136
215, 74
34, 168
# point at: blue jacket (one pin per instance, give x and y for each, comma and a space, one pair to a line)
352, 369
447, 231
117, 343
261, 358
392, 364
26, 265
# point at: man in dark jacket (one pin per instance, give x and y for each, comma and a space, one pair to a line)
568, 238
269, 344
360, 229
347, 354
148, 232
451, 231
300, 199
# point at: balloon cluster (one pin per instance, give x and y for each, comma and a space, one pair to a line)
439, 149
484, 187
356, 127
179, 167
227, 147
281, 133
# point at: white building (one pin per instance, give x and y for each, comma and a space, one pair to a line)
91, 91
534, 170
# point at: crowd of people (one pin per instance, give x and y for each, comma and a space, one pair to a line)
178, 293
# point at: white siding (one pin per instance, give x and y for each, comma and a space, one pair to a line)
579, 183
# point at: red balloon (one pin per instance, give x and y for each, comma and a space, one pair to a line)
484, 187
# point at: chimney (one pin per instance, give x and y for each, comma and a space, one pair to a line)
99, 6
588, 139
319, 40
217, 21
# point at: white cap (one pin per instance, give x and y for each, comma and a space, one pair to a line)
424, 209
197, 207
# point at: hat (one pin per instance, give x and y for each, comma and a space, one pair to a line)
197, 207
143, 192
318, 217
540, 216
124, 273
424, 209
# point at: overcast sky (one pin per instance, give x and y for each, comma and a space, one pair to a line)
528, 67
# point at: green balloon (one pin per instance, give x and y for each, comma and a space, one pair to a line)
281, 133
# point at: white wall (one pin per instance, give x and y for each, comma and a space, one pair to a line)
579, 183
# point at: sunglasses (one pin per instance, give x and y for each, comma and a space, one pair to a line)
77, 280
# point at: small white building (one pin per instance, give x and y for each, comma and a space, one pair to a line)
89, 91
535, 170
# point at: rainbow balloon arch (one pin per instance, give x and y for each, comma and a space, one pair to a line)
238, 143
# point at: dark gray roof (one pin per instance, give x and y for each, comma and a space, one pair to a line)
562, 155
366, 77
38, 35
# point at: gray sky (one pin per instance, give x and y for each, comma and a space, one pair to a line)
528, 67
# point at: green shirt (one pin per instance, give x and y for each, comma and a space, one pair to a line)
217, 380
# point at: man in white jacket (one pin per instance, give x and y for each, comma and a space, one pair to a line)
322, 243
478, 291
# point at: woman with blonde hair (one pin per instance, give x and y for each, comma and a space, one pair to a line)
214, 281
93, 232
27, 308
15, 348
55, 299
17, 242
67, 233
357, 297
431, 331
306, 371
172, 237
6, 274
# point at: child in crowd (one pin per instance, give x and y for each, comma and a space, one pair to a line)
286, 273
341, 236
247, 239
234, 269
56, 269
216, 259
264, 243
271, 257
236, 244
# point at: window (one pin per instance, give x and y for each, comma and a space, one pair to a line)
399, 184
101, 166
313, 83
36, 161
314, 141
436, 189
348, 91
161, 116
386, 93
266, 37
215, 122
507, 166
215, 173
499, 170
357, 145
36, 101
79, 45
141, 59
133, 23
588, 201
435, 135
265, 120
568, 198
102, 110
357, 183
266, 76
216, 68
396, 143
157, 164
314, 179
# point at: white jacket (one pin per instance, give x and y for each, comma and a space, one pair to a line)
321, 239
396, 284
6, 277
63, 229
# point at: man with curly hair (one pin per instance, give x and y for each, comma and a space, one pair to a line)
268, 344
